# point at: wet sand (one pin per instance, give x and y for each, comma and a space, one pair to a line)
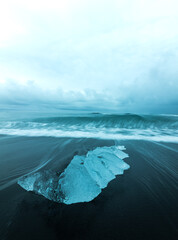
141, 204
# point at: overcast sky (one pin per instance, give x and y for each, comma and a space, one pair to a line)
96, 55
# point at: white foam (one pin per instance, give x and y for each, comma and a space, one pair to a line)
149, 135
82, 180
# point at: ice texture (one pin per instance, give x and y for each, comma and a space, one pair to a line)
82, 180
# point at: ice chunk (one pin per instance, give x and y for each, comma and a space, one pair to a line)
82, 180
76, 183
27, 182
121, 147
44, 183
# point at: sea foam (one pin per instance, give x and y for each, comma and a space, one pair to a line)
82, 180
124, 134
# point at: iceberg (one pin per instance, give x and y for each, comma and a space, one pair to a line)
82, 180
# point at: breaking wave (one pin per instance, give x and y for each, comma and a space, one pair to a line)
127, 126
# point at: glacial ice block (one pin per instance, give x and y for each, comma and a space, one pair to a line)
82, 180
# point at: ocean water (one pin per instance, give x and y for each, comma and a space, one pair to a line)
126, 165
158, 128
101, 126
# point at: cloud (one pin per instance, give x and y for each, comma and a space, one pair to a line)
32, 97
147, 99
99, 55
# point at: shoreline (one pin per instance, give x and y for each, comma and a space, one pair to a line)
141, 204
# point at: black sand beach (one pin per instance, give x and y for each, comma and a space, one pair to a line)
141, 204
89, 120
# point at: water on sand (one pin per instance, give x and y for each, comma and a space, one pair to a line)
140, 204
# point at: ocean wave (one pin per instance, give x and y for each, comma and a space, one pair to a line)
128, 121
150, 135
127, 126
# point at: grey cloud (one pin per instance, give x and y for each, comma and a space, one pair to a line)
120, 59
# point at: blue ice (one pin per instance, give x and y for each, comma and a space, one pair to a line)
82, 180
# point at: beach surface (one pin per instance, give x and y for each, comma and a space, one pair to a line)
140, 204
